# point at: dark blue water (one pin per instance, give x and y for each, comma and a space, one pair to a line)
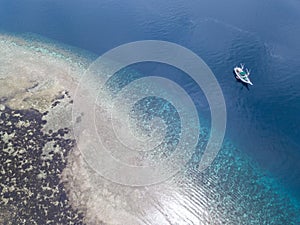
263, 120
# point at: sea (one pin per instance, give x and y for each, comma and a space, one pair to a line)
263, 120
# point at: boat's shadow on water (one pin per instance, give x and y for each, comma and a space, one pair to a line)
241, 82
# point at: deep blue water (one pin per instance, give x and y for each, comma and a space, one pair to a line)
263, 121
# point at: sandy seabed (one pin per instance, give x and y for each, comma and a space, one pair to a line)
45, 179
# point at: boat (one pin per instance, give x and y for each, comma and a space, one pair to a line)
241, 75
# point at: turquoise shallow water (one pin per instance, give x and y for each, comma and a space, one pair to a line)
237, 188
263, 122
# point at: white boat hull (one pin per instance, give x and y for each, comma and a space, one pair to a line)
245, 79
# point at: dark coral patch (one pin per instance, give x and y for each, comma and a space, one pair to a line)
30, 184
